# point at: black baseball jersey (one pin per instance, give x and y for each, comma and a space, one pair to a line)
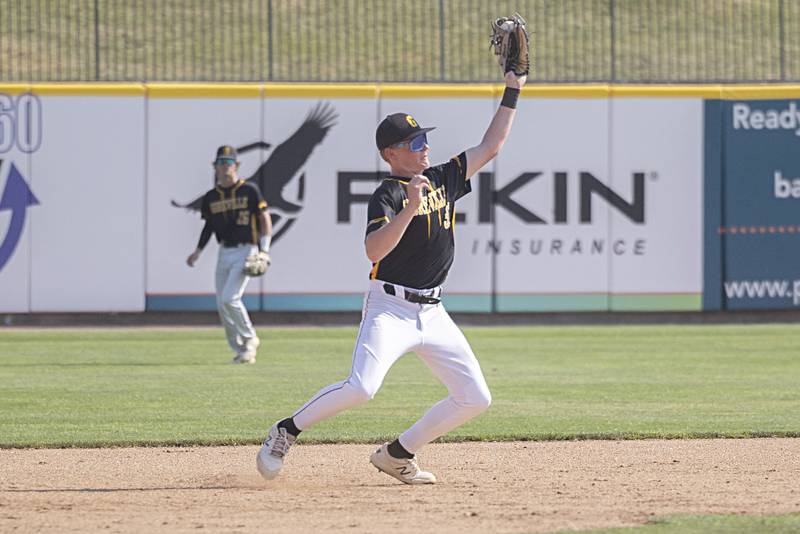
231, 212
425, 253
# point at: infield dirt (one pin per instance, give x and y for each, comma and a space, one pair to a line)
484, 487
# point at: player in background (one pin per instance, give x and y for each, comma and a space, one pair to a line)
235, 212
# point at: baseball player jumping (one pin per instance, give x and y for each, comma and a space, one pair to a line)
410, 241
237, 214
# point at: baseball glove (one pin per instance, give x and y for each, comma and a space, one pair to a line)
257, 264
510, 42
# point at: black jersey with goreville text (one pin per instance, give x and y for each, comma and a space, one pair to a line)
232, 212
424, 254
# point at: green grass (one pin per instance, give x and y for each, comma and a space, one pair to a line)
120, 387
712, 524
387, 40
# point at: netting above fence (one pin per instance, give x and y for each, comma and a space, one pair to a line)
408, 41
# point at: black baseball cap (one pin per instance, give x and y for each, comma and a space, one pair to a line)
228, 152
396, 128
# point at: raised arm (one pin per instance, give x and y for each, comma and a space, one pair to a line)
498, 130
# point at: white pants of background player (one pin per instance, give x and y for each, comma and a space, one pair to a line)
230, 284
390, 327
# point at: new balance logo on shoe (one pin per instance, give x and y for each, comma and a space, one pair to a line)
403, 469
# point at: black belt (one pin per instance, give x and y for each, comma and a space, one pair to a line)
416, 298
228, 244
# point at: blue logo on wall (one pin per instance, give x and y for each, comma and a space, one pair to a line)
20, 127
17, 197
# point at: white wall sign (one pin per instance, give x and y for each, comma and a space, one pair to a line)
594, 203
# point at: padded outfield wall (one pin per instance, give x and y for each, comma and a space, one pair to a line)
604, 197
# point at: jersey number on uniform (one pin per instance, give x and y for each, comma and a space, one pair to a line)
244, 218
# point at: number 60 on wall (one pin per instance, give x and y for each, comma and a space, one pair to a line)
20, 123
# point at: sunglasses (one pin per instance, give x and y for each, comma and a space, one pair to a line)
416, 144
225, 161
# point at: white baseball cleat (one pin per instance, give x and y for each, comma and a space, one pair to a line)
244, 357
270, 458
248, 352
403, 469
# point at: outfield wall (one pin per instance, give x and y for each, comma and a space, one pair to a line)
604, 197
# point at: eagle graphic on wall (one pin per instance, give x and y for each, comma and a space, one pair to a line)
274, 176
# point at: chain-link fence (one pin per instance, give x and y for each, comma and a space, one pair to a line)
391, 40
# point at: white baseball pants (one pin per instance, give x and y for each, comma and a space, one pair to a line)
230, 284
390, 327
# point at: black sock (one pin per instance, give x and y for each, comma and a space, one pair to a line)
398, 451
290, 427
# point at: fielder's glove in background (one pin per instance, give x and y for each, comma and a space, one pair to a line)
510, 42
257, 264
